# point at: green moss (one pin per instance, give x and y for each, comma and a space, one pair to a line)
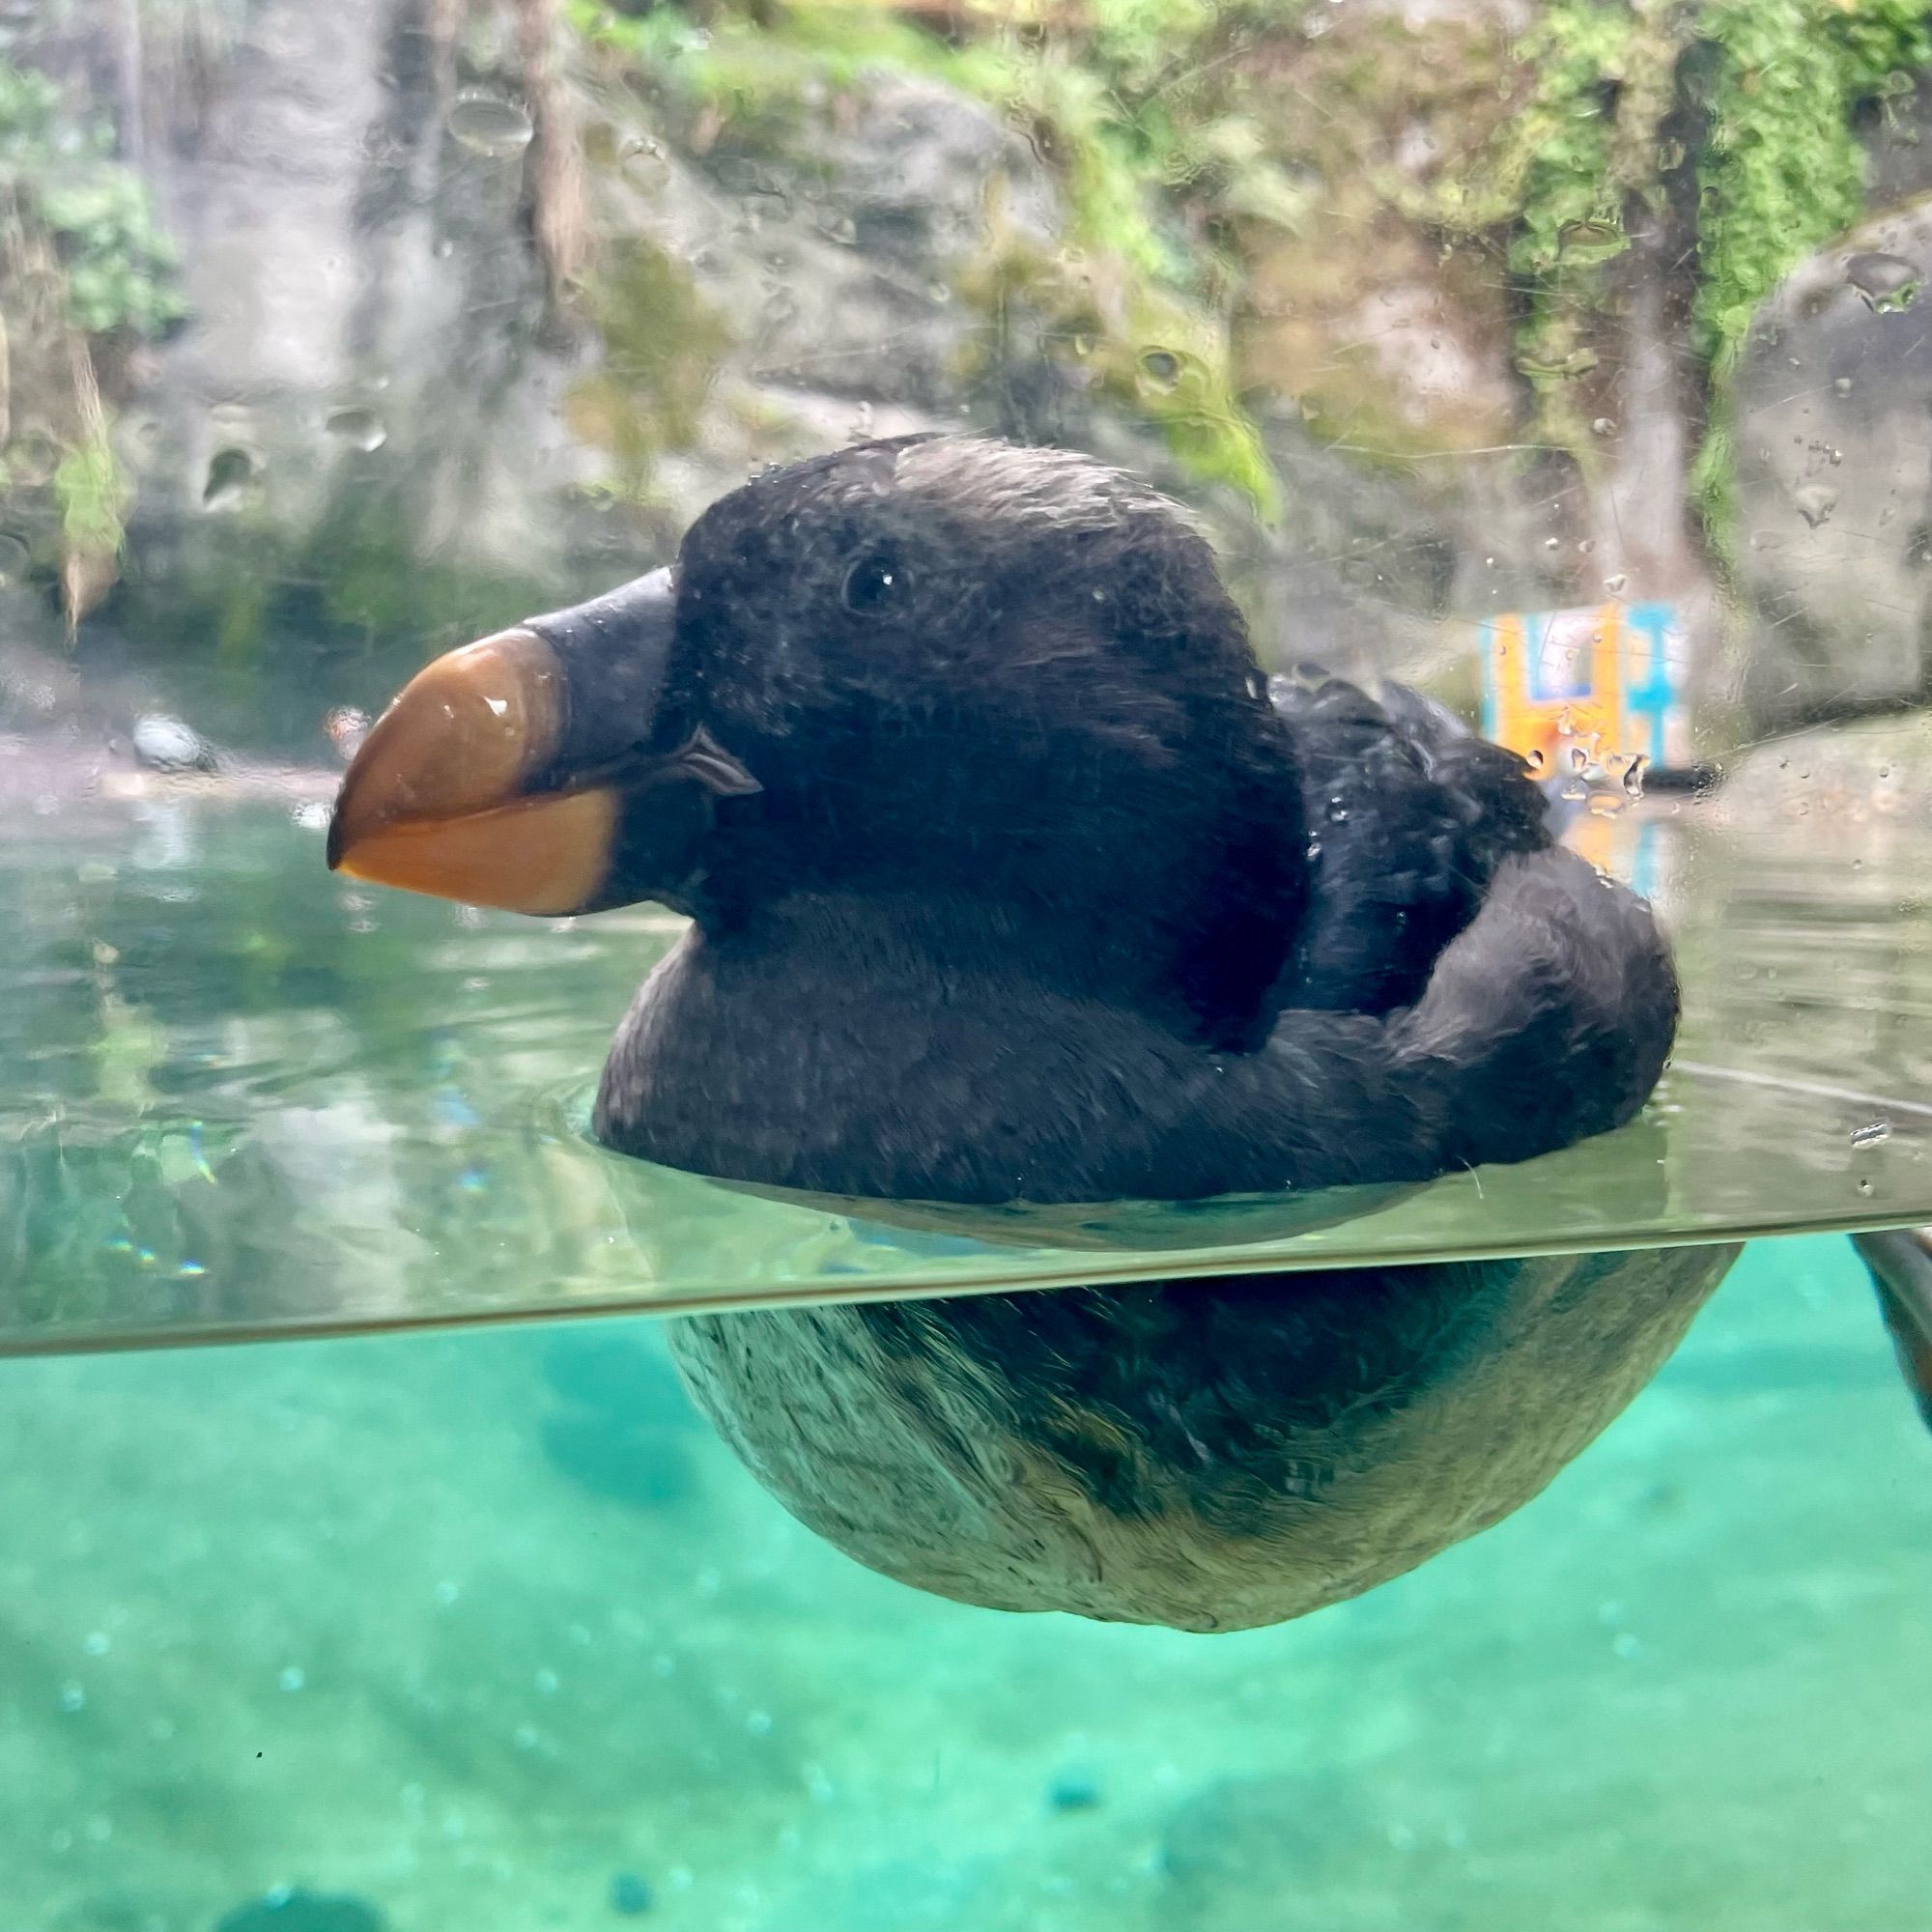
1555, 180
1776, 86
374, 575
663, 346
59, 172
80, 259
92, 491
1115, 109
1781, 171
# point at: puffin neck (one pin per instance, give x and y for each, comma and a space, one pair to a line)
922, 947
1179, 892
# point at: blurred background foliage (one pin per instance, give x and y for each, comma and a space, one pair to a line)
329, 339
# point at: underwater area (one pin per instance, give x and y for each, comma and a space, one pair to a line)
373, 1557
469, 1629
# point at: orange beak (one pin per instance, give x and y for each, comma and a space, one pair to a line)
515, 773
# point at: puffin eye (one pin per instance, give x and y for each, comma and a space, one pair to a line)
876, 585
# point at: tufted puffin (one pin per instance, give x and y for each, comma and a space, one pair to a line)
1011, 879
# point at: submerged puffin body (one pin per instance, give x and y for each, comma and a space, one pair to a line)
1011, 879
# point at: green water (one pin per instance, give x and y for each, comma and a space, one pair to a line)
468, 1627
240, 1096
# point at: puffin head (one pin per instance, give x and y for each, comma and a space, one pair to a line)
926, 668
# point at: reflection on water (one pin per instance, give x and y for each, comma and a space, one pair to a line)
469, 1629
243, 1095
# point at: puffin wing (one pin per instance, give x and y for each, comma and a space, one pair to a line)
1408, 814
1546, 1020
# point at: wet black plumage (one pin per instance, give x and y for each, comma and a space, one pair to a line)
1021, 882
1048, 895
1045, 895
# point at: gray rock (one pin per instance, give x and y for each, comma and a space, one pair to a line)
1834, 478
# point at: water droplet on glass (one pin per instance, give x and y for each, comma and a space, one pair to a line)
839, 228
641, 156
1161, 367
1864, 1187
1842, 384
1884, 283
345, 727
1815, 503
489, 126
1590, 241
358, 427
1535, 759
14, 558
1876, 1134
1632, 776
1551, 543
32, 459
1614, 583
165, 744
231, 476
1602, 426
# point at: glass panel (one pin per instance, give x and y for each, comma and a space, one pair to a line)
1473, 337
1068, 569
252, 1100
